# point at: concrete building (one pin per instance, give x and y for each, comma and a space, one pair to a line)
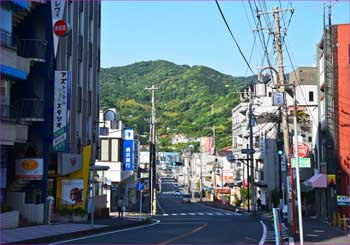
333, 132
32, 68
118, 182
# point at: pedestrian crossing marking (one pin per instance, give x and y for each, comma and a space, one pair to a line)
202, 214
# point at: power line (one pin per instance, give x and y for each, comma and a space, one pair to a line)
234, 39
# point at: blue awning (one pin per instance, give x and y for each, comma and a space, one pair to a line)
21, 4
12, 72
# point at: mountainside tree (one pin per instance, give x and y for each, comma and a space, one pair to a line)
184, 98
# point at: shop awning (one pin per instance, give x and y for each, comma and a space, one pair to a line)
13, 72
317, 181
21, 4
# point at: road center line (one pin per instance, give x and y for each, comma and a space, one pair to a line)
185, 235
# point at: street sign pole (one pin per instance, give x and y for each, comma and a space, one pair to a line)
140, 205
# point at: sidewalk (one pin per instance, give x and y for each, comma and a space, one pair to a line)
49, 233
320, 232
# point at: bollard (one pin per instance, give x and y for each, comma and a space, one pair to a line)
334, 219
339, 220
344, 222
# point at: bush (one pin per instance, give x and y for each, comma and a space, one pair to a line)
236, 200
65, 211
80, 211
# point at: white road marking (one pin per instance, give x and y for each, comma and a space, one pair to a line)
165, 214
182, 214
107, 233
192, 214
217, 213
263, 238
234, 213
228, 214
200, 213
209, 213
174, 214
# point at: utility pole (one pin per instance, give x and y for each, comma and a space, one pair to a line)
152, 162
281, 85
251, 146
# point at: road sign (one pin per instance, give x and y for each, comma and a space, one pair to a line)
60, 28
303, 162
248, 151
303, 150
278, 99
140, 186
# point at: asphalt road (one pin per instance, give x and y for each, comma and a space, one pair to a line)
185, 223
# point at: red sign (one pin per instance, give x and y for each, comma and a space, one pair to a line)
303, 150
60, 28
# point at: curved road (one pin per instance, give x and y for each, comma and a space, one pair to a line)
185, 223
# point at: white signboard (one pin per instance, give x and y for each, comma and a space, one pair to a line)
61, 110
29, 168
69, 163
57, 10
72, 191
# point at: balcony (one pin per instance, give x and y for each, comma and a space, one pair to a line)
30, 110
6, 112
32, 49
16, 66
12, 133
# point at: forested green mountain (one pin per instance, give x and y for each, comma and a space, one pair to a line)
184, 99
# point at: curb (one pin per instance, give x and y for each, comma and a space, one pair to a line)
54, 238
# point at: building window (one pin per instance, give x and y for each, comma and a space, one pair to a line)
79, 99
270, 94
89, 102
91, 9
104, 150
81, 6
310, 139
90, 54
80, 51
311, 96
115, 150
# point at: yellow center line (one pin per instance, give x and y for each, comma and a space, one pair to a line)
185, 235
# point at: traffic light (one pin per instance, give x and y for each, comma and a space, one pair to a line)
279, 147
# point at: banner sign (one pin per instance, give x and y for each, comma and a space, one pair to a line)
343, 200
72, 191
29, 168
207, 145
128, 150
57, 10
331, 179
61, 110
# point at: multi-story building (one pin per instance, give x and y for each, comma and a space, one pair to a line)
40, 108
118, 182
267, 128
334, 116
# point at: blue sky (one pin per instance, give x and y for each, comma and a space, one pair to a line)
193, 33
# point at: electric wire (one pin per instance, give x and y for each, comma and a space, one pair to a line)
233, 37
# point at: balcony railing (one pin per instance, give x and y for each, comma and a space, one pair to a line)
30, 110
7, 39
33, 49
5, 111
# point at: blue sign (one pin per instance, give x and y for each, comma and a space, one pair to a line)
128, 151
140, 186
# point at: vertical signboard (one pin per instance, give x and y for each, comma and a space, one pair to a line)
57, 9
207, 145
128, 150
61, 111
